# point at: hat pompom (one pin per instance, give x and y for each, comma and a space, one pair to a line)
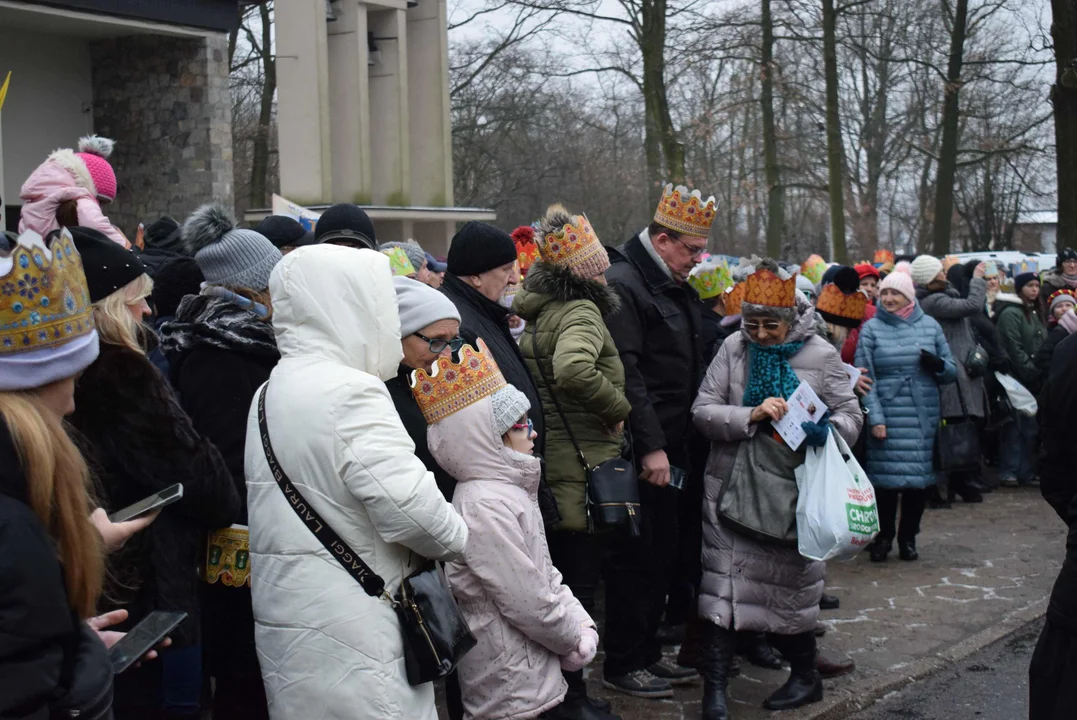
847, 280
206, 225
96, 145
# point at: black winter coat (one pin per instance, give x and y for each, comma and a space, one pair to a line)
1055, 335
414, 422
39, 633
657, 331
138, 441
1058, 483
712, 333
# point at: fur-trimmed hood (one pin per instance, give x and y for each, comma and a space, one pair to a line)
546, 282
72, 163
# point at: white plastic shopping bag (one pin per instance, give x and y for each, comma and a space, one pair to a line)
1022, 400
836, 512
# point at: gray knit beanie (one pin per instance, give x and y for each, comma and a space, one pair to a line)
509, 406
228, 255
420, 305
415, 253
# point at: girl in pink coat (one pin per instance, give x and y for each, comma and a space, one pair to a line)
527, 622
83, 178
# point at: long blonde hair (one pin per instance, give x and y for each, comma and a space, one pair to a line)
115, 324
58, 488
838, 334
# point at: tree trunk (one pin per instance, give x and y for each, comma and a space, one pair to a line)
835, 157
944, 186
660, 131
775, 191
1064, 98
260, 149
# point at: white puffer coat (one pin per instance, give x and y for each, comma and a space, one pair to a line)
327, 649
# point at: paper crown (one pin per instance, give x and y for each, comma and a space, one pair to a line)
527, 251
765, 288
453, 385
733, 299
882, 257
711, 278
1067, 292
399, 262
574, 245
813, 269
1026, 266
842, 309
44, 301
686, 212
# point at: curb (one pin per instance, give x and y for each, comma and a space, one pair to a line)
842, 703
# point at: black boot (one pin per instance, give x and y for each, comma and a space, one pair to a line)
804, 684
879, 549
907, 550
719, 647
754, 647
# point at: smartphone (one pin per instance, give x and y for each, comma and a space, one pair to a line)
154, 502
677, 477
142, 638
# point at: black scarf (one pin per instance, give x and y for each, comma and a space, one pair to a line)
216, 322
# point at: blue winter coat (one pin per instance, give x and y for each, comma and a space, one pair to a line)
904, 398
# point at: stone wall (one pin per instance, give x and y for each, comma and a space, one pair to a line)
165, 101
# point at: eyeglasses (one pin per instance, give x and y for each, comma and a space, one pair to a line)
768, 325
437, 345
530, 425
697, 252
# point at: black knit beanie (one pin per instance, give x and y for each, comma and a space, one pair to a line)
284, 231
108, 265
479, 247
164, 234
173, 282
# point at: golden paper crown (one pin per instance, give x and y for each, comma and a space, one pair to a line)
850, 308
686, 212
883, 257
734, 298
575, 245
765, 288
453, 386
44, 301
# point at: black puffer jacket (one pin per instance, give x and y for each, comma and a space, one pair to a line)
657, 332
414, 422
39, 634
139, 441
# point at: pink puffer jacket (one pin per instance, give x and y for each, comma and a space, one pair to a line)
522, 615
61, 178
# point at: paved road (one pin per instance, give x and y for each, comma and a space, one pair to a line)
991, 684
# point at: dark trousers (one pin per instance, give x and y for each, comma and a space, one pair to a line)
638, 572
1052, 675
912, 509
578, 557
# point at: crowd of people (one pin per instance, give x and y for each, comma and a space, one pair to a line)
474, 412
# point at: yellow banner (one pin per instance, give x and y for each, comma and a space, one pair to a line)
3, 89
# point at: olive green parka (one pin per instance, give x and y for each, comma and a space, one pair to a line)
565, 316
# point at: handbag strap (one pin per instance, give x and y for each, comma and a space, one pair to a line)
371, 582
553, 394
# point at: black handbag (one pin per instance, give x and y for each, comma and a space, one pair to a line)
611, 498
436, 636
976, 363
86, 676
957, 445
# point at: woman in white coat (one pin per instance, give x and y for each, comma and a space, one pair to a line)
328, 650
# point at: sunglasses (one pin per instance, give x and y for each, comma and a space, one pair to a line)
529, 425
437, 345
768, 325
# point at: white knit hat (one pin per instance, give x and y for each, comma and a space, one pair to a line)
924, 269
509, 406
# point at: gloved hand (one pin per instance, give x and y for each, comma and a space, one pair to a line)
931, 362
817, 432
585, 650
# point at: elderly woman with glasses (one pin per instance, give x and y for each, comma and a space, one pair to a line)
750, 583
429, 329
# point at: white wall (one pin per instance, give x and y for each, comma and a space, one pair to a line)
48, 104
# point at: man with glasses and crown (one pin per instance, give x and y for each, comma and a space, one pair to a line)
657, 332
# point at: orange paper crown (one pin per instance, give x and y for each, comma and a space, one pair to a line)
734, 298
573, 244
883, 257
527, 251
454, 385
686, 212
765, 288
43, 297
840, 308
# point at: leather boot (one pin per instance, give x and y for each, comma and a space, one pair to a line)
691, 652
754, 647
804, 684
719, 647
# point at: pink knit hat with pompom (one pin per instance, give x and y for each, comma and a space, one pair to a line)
94, 152
902, 282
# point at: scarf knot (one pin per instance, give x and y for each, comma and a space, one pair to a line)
769, 372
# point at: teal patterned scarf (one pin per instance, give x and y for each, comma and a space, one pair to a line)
769, 372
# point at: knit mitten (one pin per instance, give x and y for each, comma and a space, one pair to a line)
584, 653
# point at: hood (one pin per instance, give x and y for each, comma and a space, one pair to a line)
338, 304
1007, 299
804, 325
214, 321
467, 447
546, 283
63, 174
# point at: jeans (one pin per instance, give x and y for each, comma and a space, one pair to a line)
912, 509
1018, 446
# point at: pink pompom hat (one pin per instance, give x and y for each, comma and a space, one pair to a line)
94, 152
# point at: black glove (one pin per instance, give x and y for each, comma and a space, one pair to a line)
931, 362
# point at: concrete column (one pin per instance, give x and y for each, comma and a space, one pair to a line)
428, 89
434, 236
389, 117
303, 117
349, 103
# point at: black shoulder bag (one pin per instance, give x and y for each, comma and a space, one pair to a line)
957, 445
435, 634
611, 497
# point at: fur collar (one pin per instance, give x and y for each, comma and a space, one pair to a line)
68, 160
561, 284
1008, 298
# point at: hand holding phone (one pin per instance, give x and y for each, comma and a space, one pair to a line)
143, 638
154, 502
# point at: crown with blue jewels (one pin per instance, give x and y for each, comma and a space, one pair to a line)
44, 301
